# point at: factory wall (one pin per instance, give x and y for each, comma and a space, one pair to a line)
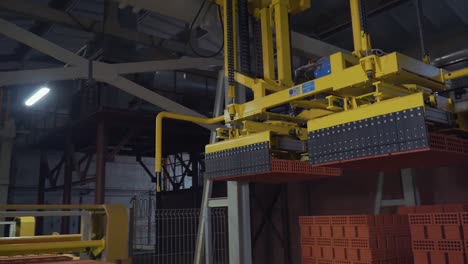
124, 179
350, 194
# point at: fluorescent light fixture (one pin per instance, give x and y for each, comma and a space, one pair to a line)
37, 96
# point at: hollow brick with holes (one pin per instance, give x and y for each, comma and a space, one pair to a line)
339, 253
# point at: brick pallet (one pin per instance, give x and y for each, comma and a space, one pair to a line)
355, 239
438, 233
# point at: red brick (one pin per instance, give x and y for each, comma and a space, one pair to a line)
337, 261
322, 220
383, 219
361, 219
418, 232
324, 261
438, 257
428, 209
308, 241
339, 253
455, 208
381, 242
306, 231
363, 243
452, 232
405, 210
465, 231
326, 231
403, 242
450, 245
421, 219
424, 245
353, 254
338, 231
306, 220
391, 242
327, 252
372, 254
447, 218
464, 218
455, 257
315, 230
339, 220
341, 242
350, 231
308, 260
307, 251
323, 242
434, 232
421, 257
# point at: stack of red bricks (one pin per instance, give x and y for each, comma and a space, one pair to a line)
355, 239
439, 233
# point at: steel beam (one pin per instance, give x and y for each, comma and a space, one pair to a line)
101, 71
67, 179
42, 13
299, 42
101, 153
40, 44
44, 171
7, 136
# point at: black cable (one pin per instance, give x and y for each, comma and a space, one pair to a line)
365, 26
230, 41
189, 41
419, 16
244, 36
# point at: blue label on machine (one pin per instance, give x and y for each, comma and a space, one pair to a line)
294, 91
308, 87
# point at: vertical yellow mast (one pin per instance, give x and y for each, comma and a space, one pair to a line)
361, 38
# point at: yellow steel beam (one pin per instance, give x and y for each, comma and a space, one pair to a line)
193, 119
50, 247
280, 128
356, 26
283, 43
90, 207
267, 44
39, 239
26, 226
457, 74
116, 238
361, 39
239, 142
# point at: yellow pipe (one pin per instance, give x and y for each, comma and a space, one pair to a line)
39, 239
457, 74
188, 118
51, 248
267, 45
283, 44
52, 207
357, 27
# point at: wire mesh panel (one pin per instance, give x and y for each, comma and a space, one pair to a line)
168, 236
144, 222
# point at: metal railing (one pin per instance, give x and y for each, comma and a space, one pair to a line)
168, 235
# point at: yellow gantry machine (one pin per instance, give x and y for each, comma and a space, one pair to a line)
356, 106
103, 232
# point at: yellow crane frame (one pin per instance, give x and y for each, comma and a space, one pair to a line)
360, 80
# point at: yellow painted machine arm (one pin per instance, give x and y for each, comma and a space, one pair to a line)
188, 118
